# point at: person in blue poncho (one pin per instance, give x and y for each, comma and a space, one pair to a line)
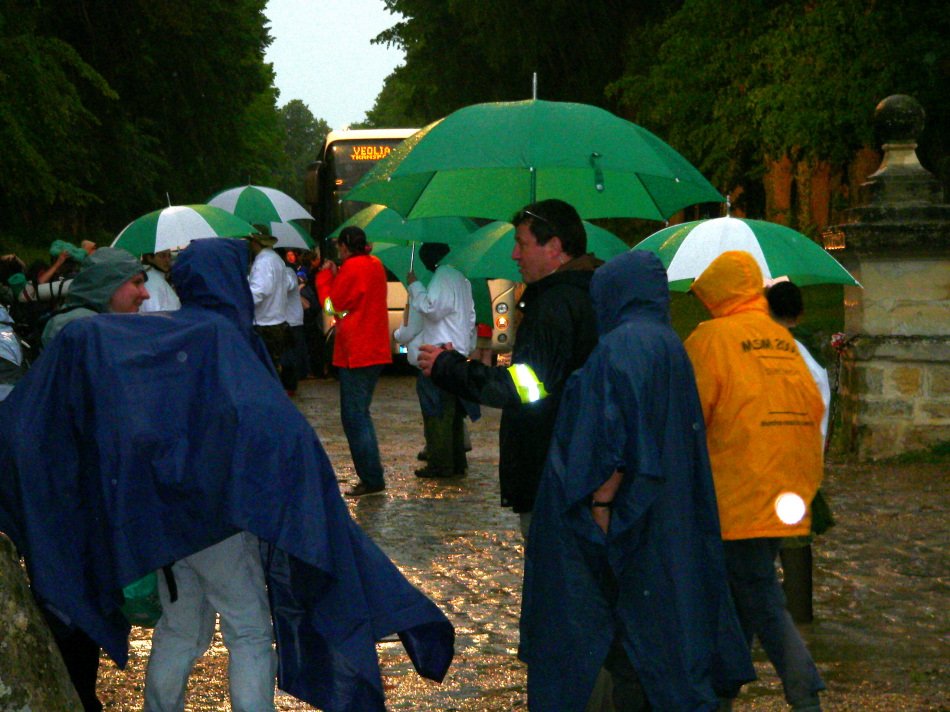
624, 564
133, 489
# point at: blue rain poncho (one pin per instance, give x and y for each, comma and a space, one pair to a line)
97, 489
632, 406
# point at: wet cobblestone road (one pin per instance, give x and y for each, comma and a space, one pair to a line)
881, 637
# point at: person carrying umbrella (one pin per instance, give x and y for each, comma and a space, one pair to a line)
556, 334
763, 414
448, 316
270, 284
357, 299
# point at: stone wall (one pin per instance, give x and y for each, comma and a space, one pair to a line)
895, 394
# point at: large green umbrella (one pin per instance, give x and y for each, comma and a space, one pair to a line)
488, 254
399, 259
172, 228
384, 225
259, 204
686, 250
489, 160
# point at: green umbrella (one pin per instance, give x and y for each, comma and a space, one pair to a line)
259, 204
488, 255
687, 250
291, 235
384, 225
399, 259
489, 160
172, 228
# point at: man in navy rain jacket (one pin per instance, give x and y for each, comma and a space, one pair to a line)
624, 564
132, 489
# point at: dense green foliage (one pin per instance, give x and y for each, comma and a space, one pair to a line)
730, 85
303, 141
111, 110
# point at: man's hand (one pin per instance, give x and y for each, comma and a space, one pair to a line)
602, 500
428, 353
411, 277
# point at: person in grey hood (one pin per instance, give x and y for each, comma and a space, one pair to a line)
110, 280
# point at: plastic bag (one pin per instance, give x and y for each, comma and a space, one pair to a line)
142, 605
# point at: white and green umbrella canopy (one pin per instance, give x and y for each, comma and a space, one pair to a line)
172, 228
259, 205
291, 235
686, 250
488, 254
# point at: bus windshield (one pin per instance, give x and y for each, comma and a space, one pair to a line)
347, 156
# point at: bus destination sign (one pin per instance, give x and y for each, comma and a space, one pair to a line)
369, 152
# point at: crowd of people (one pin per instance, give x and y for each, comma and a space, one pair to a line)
654, 479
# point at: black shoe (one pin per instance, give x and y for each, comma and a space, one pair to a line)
422, 455
362, 490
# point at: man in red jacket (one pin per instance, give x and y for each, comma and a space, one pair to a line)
357, 299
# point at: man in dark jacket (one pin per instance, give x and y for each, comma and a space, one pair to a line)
555, 335
626, 520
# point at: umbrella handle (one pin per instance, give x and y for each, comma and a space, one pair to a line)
412, 256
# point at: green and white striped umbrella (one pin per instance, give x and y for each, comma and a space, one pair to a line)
488, 254
291, 235
259, 205
686, 250
172, 228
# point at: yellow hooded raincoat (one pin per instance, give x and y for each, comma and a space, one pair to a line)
762, 408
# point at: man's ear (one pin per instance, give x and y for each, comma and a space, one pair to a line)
554, 246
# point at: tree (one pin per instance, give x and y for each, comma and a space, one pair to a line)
782, 93
46, 126
303, 139
461, 53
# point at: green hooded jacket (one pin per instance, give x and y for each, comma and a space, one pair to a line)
100, 274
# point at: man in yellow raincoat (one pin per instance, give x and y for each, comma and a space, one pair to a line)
763, 417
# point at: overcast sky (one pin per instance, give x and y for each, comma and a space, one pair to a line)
322, 55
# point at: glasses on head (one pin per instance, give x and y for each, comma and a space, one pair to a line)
535, 216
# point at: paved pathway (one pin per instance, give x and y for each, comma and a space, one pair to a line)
880, 637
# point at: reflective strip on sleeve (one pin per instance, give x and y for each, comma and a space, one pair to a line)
529, 387
328, 308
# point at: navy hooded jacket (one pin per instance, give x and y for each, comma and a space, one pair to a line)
633, 407
96, 491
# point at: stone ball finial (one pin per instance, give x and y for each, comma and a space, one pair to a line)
899, 119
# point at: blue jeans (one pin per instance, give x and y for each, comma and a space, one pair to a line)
760, 603
356, 394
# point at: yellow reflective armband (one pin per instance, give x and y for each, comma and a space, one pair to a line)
328, 308
529, 387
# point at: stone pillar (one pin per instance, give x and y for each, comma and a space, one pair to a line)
32, 673
895, 375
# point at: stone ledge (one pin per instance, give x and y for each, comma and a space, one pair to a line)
918, 349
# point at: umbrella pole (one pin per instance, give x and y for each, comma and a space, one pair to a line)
412, 256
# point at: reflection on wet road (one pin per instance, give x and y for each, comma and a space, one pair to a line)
880, 638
